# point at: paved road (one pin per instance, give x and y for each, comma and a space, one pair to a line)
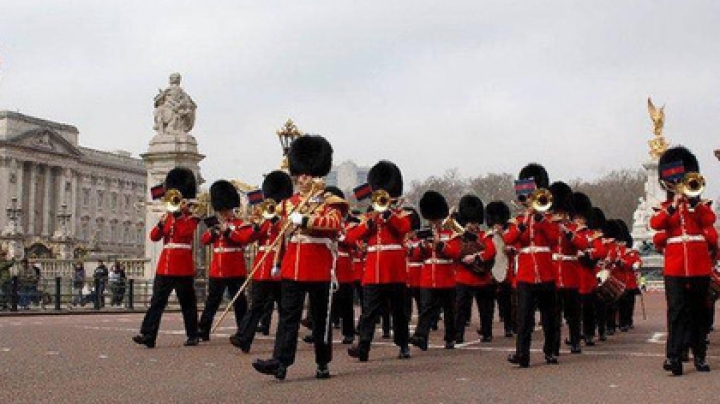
90, 358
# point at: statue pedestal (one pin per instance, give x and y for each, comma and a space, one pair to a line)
165, 153
642, 234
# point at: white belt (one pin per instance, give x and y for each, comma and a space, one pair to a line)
384, 247
218, 250
266, 248
343, 254
415, 264
177, 246
685, 238
560, 257
357, 260
438, 261
303, 239
534, 249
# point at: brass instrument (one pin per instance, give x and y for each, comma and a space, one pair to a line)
268, 208
381, 200
692, 184
173, 200
541, 200
451, 224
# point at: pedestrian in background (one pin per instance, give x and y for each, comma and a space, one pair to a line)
116, 281
101, 277
78, 280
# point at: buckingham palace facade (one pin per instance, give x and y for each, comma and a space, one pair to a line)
54, 189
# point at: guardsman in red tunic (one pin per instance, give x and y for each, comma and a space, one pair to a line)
629, 267
175, 268
473, 276
414, 268
385, 277
228, 236
440, 254
342, 305
308, 264
612, 239
276, 187
594, 218
497, 215
688, 222
567, 267
535, 234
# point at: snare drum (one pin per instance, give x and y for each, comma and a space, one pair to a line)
610, 288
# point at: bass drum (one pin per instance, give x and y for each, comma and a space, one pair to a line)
500, 267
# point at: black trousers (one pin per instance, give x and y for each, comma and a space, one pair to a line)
588, 314
531, 297
263, 294
343, 309
163, 285
292, 299
626, 307
601, 315
216, 292
433, 301
484, 297
612, 310
569, 308
413, 294
507, 306
376, 298
686, 315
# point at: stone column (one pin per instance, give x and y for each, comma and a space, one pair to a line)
73, 202
47, 203
32, 198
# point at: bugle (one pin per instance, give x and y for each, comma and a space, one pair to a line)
541, 200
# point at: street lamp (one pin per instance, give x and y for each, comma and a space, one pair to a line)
287, 134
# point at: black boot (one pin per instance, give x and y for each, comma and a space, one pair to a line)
404, 353
271, 367
322, 372
674, 366
522, 360
238, 342
419, 342
194, 341
204, 334
356, 352
146, 340
701, 365
551, 359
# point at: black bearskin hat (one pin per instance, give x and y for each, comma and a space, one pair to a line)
678, 153
562, 197
182, 179
625, 233
612, 229
497, 212
386, 175
335, 191
596, 220
581, 205
223, 196
415, 222
433, 206
470, 209
311, 155
277, 186
536, 172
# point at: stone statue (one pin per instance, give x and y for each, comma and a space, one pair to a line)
174, 109
640, 213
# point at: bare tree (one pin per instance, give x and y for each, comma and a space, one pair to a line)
616, 193
450, 185
493, 187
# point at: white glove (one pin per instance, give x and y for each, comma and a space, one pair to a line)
296, 218
275, 271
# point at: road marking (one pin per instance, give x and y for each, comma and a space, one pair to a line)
103, 356
6, 349
657, 338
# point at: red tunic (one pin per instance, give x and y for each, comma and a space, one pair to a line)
344, 269
386, 254
565, 256
534, 247
438, 271
228, 259
595, 250
308, 256
358, 257
177, 234
690, 236
266, 237
465, 276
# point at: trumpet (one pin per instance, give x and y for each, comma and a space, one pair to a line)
541, 200
381, 200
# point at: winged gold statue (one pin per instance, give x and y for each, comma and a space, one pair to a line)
658, 145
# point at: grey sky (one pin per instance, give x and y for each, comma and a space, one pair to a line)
484, 86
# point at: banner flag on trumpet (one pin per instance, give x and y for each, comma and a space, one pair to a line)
525, 187
362, 192
673, 171
157, 191
255, 197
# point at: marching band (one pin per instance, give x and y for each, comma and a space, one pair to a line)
558, 255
